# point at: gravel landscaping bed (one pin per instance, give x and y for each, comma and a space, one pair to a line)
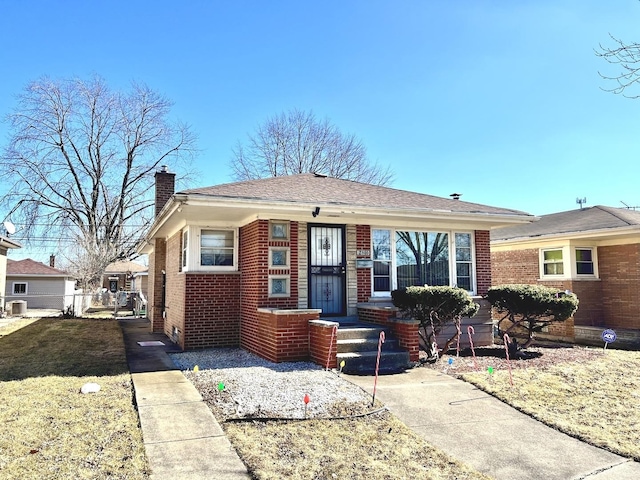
238, 384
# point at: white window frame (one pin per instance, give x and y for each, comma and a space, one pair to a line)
390, 261
287, 292
26, 288
453, 280
184, 260
193, 250
574, 263
569, 263
549, 276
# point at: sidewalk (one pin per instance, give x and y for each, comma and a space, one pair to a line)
182, 439
487, 434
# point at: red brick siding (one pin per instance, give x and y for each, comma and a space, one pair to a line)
212, 310
363, 242
322, 344
405, 331
619, 269
515, 266
284, 337
157, 261
483, 261
254, 279
175, 291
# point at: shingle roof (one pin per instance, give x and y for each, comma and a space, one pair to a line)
572, 221
323, 190
125, 267
31, 267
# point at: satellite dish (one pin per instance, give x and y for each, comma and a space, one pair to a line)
9, 227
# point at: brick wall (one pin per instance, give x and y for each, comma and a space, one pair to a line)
363, 242
284, 334
174, 324
515, 266
483, 261
254, 279
404, 330
322, 343
212, 310
619, 269
157, 261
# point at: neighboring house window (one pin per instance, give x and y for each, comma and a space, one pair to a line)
381, 256
278, 257
20, 288
185, 249
217, 248
279, 285
279, 230
552, 262
584, 261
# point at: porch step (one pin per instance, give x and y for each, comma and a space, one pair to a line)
358, 347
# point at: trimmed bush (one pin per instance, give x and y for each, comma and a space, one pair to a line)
435, 307
532, 307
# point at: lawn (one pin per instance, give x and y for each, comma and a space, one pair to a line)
49, 429
591, 394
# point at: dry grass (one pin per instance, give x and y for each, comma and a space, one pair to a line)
592, 396
15, 325
49, 429
375, 447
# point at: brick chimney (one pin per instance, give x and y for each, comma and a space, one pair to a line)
165, 187
52, 261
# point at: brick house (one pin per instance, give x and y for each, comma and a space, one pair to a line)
594, 252
271, 265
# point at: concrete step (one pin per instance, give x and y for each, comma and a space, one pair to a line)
365, 345
352, 333
364, 363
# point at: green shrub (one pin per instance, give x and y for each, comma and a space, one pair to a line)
435, 307
532, 307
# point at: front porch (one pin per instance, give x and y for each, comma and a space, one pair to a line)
303, 334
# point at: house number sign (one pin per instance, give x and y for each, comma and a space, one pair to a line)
363, 253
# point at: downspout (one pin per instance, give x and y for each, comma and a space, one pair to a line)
164, 294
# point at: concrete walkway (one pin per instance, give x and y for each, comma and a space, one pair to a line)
487, 434
182, 439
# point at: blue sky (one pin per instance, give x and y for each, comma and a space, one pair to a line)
500, 101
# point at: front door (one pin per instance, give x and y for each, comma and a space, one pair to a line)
327, 269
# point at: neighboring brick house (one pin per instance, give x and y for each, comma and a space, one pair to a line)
594, 252
250, 263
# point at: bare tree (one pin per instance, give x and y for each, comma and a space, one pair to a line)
296, 142
626, 56
79, 164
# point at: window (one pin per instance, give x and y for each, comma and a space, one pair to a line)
278, 285
185, 248
381, 256
422, 258
20, 288
464, 262
217, 248
552, 262
584, 261
279, 230
278, 257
